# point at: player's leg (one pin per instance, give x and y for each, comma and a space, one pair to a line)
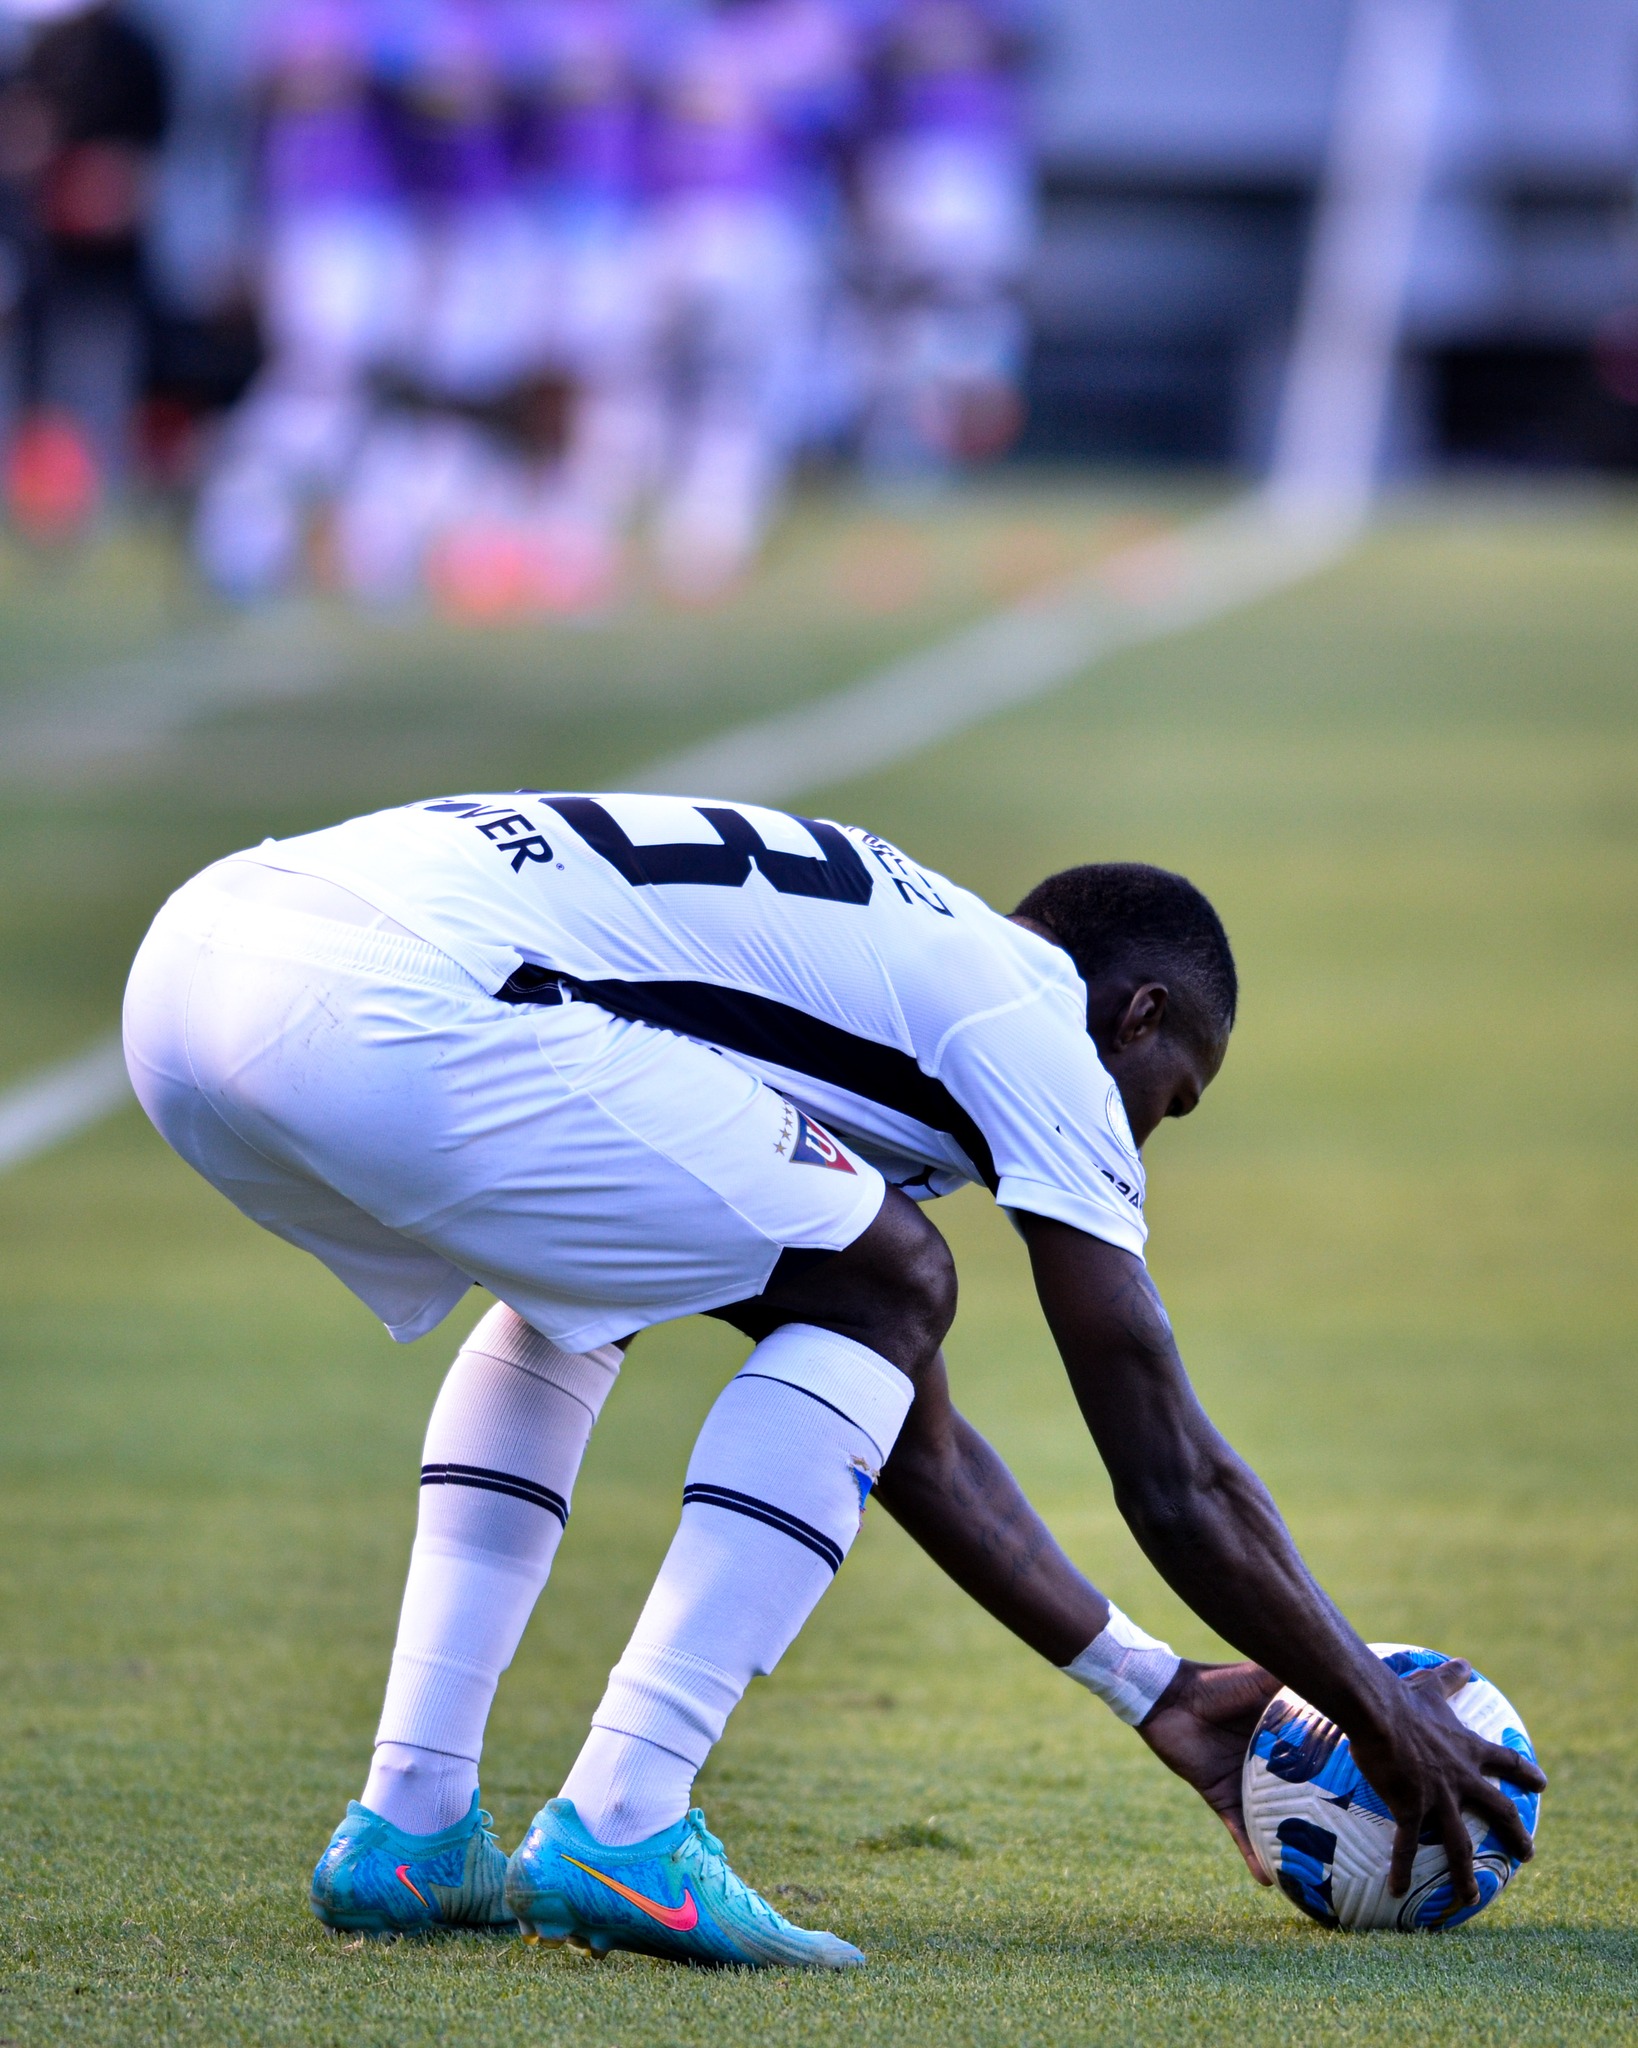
503, 1449
774, 1497
665, 1173
415, 1869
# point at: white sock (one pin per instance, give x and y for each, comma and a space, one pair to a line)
775, 1494
507, 1434
419, 1790
625, 1789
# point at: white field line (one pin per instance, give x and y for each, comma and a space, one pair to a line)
128, 707
62, 1100
1383, 154
1139, 594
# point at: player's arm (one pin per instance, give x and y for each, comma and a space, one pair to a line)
1208, 1525
950, 1490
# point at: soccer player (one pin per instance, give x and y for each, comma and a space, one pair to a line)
442, 73
946, 211
623, 1058
336, 291
575, 77
753, 97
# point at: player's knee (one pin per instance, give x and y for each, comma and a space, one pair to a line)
893, 1289
926, 1299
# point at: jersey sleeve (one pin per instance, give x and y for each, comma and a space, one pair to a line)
1030, 1078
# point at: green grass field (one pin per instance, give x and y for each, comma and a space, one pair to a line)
1397, 1242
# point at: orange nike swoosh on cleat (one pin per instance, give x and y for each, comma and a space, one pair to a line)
402, 1875
678, 1918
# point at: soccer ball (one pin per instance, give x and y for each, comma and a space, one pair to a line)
1325, 1838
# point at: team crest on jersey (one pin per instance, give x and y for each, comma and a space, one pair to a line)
1114, 1111
806, 1143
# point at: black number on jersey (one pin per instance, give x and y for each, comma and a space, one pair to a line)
838, 875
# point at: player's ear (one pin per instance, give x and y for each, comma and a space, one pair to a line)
1143, 1016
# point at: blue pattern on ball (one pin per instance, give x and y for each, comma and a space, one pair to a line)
1320, 1755
1402, 1662
1323, 1832
1528, 1803
1306, 1854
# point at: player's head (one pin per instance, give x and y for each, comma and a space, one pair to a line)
1159, 973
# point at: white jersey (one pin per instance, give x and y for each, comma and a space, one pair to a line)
943, 1042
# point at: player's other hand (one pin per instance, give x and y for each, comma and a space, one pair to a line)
1427, 1766
1199, 1727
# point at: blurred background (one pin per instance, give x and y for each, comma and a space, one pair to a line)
485, 301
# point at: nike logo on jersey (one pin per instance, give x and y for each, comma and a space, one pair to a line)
678, 1918
815, 1146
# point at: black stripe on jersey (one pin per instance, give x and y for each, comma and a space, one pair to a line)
497, 1482
763, 1029
816, 1540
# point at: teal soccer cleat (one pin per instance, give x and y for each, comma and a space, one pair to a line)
375, 1879
673, 1895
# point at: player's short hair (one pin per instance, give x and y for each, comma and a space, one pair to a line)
1122, 913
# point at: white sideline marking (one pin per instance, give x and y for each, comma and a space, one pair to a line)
1140, 593
1379, 168
128, 706
61, 1101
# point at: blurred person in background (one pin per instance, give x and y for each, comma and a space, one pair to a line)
945, 196
530, 265
755, 101
435, 482
82, 116
575, 72
336, 280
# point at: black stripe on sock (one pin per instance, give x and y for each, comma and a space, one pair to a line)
774, 1380
816, 1540
497, 1482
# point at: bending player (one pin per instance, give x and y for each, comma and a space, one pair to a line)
577, 1050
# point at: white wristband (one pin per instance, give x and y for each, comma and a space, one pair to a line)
1127, 1669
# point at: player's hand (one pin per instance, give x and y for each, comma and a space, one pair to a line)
1428, 1767
1199, 1727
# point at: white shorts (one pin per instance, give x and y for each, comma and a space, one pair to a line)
358, 1093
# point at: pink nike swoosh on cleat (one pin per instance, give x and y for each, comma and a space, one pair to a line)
678, 1918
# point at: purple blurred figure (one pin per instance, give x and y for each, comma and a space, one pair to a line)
442, 65
337, 282
575, 72
946, 215
754, 99
428, 465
